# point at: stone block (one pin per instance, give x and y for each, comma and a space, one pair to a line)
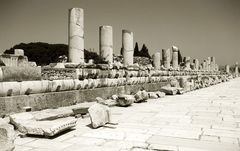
125, 100
99, 115
7, 136
169, 90
141, 96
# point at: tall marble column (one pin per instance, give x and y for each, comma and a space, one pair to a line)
213, 63
196, 64
157, 60
175, 57
166, 58
227, 69
188, 62
127, 45
236, 69
204, 65
208, 63
106, 43
76, 35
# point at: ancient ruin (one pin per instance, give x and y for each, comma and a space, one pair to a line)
34, 93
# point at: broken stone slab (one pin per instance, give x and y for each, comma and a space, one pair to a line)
169, 90
27, 124
125, 100
152, 95
160, 94
52, 114
7, 136
141, 96
99, 115
80, 110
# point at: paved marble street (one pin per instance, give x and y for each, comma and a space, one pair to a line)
203, 120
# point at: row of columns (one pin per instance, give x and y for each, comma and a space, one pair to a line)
76, 47
76, 40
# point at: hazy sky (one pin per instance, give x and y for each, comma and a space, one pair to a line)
200, 28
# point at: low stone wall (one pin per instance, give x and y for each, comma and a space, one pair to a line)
15, 104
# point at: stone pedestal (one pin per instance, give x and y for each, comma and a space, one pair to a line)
175, 57
106, 43
166, 58
76, 35
127, 45
157, 60
212, 64
187, 63
227, 69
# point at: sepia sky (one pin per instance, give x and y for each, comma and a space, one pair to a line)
200, 28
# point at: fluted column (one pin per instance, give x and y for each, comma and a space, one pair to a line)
106, 43
76, 35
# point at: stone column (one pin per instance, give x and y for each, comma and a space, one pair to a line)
208, 63
187, 64
196, 64
127, 45
76, 36
157, 60
106, 43
236, 69
212, 64
175, 57
204, 65
227, 69
166, 58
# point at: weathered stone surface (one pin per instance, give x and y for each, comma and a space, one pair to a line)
26, 123
141, 96
125, 100
169, 90
7, 136
99, 115
152, 95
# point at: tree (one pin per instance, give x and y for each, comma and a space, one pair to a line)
44, 53
136, 50
144, 52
